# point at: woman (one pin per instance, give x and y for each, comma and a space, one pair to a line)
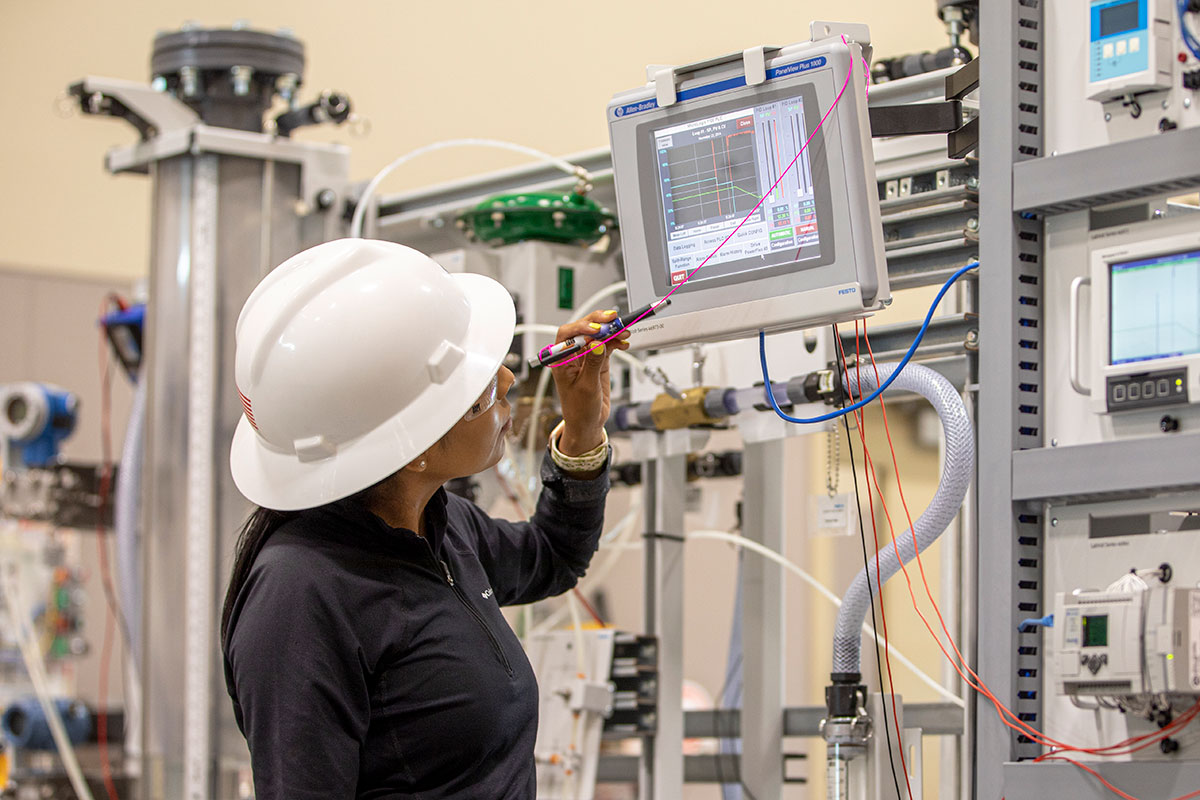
365, 650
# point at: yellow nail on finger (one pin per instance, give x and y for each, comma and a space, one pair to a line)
598, 348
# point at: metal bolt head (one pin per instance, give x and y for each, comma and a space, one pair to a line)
973, 182
972, 337
1054, 442
1187, 102
1054, 522
1166, 104
241, 79
973, 224
1107, 116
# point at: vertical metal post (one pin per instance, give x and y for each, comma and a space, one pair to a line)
163, 487
763, 623
662, 756
201, 490
1010, 392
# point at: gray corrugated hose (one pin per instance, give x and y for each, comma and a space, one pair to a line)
958, 468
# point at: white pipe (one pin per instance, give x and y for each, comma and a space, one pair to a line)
594, 301
41, 684
821, 589
126, 520
617, 536
364, 200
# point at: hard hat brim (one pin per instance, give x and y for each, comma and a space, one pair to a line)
279, 480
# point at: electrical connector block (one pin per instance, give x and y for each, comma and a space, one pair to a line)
590, 696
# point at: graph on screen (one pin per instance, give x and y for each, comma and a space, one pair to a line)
1155, 308
714, 180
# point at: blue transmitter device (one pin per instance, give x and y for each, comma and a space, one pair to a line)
551, 355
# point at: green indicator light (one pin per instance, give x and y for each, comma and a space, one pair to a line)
566, 288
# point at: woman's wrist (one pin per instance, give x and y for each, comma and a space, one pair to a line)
581, 464
576, 440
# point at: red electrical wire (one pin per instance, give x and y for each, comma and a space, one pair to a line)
588, 607
1004, 712
868, 474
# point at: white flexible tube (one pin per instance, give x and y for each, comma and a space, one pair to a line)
577, 628
824, 591
603, 294
41, 684
127, 520
958, 468
539, 394
364, 201
617, 536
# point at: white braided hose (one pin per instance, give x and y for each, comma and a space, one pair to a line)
958, 468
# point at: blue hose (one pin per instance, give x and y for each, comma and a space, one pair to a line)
762, 356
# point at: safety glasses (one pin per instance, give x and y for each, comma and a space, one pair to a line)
485, 401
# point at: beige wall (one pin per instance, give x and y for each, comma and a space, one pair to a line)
533, 71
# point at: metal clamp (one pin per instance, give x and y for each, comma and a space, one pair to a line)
1073, 336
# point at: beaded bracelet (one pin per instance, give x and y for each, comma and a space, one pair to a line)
588, 462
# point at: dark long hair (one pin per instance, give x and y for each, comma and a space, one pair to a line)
258, 527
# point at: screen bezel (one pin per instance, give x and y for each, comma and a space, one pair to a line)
746, 269
1113, 267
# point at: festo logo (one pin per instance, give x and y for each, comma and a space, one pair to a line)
851, 290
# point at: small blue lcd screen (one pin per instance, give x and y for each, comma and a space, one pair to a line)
1154, 308
1111, 19
1118, 19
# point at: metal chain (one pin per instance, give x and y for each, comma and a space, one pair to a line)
833, 460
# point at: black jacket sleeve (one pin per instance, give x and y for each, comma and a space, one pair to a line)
298, 676
546, 556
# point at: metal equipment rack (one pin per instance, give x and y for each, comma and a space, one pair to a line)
1017, 474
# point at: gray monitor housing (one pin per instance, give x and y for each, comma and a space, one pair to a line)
723, 206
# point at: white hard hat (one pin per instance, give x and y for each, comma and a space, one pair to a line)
353, 357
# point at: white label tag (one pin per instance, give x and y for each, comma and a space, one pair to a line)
833, 516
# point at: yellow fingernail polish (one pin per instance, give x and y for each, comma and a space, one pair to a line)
611, 311
598, 348
595, 326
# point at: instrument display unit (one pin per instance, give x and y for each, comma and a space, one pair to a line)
1145, 323
690, 172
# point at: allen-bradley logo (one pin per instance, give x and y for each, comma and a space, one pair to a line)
850, 290
634, 108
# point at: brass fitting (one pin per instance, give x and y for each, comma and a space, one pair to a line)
670, 413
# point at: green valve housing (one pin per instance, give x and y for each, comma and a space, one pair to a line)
570, 218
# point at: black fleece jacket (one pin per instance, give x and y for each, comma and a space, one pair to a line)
367, 662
